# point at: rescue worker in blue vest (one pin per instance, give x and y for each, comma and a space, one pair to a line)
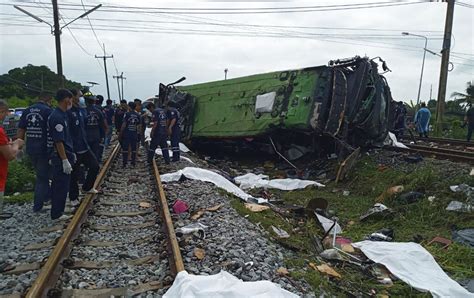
77, 118
62, 156
95, 126
119, 114
174, 130
98, 103
129, 134
158, 134
422, 120
34, 125
109, 117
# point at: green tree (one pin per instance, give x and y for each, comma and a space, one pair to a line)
464, 98
28, 81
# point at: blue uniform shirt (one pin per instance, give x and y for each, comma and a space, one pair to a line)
77, 120
94, 130
59, 129
35, 121
119, 114
172, 113
160, 117
109, 114
131, 121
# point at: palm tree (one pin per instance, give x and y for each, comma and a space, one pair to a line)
465, 98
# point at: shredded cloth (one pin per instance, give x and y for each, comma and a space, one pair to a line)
414, 265
223, 285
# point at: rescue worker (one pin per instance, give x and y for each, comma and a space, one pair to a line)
95, 126
138, 109
469, 121
62, 157
109, 117
129, 134
84, 156
34, 126
119, 114
174, 131
8, 151
422, 120
159, 134
98, 103
400, 115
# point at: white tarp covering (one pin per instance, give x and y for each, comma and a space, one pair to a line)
264, 102
223, 285
251, 180
394, 141
209, 176
414, 265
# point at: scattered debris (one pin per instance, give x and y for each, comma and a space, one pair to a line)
329, 226
379, 210
192, 228
145, 204
180, 207
443, 241
413, 158
282, 271
392, 140
326, 269
465, 236
280, 232
459, 206
250, 180
472, 172
346, 193
256, 207
414, 265
197, 214
410, 197
215, 208
331, 254
199, 253
390, 192
381, 235
431, 199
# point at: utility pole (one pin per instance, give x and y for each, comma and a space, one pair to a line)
105, 57
225, 73
121, 80
118, 86
57, 39
443, 77
431, 92
56, 30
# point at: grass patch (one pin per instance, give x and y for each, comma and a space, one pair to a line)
22, 198
21, 176
365, 183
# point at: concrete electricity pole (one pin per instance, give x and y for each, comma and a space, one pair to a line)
443, 77
56, 31
105, 57
118, 86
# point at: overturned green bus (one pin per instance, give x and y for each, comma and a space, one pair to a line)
346, 102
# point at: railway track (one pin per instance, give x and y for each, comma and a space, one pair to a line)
438, 153
455, 142
119, 243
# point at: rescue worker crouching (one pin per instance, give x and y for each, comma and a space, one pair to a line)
159, 134
174, 130
34, 126
77, 116
62, 156
95, 126
128, 135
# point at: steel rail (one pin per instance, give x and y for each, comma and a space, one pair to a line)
51, 270
453, 155
440, 140
176, 261
442, 150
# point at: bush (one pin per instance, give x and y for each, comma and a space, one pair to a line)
21, 177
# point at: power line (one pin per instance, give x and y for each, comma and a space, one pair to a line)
92, 28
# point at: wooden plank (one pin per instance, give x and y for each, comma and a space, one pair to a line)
123, 227
90, 265
40, 245
96, 243
142, 288
54, 228
347, 164
123, 214
143, 260
96, 293
22, 268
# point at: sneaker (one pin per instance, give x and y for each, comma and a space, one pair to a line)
63, 217
93, 191
75, 203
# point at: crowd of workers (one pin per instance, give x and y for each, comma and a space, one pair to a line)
66, 143
421, 120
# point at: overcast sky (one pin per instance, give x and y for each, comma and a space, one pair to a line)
147, 58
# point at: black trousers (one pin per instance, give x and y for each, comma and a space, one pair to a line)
92, 166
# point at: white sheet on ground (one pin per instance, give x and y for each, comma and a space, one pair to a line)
251, 180
414, 265
395, 142
327, 224
264, 102
223, 285
209, 176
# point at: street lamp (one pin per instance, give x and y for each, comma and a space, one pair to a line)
422, 65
